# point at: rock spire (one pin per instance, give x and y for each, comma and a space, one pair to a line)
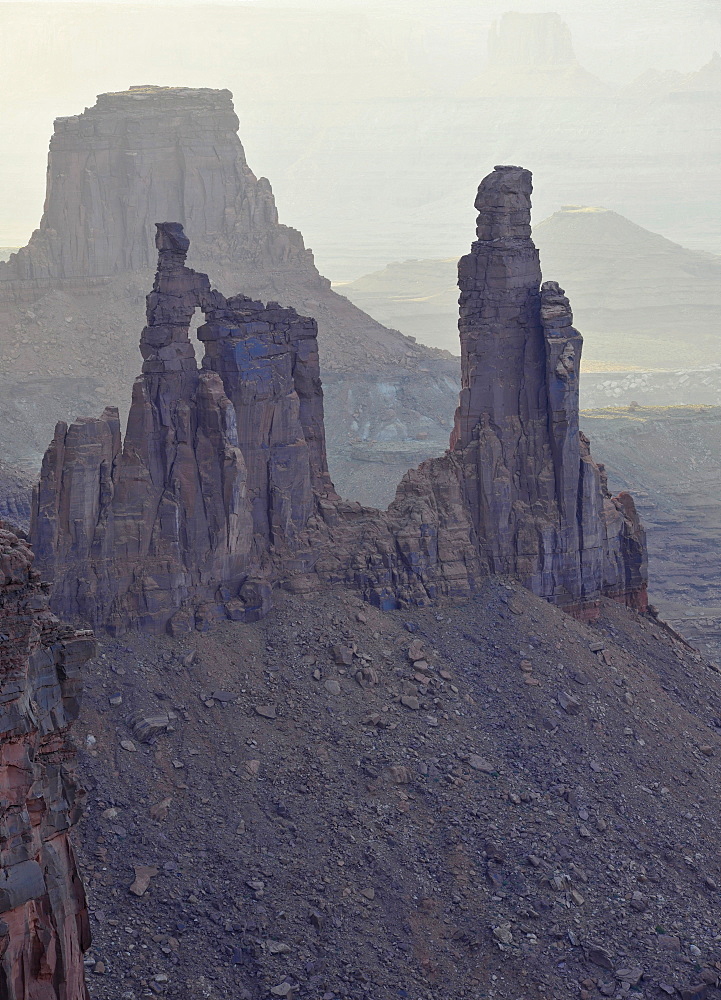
538, 501
221, 492
216, 476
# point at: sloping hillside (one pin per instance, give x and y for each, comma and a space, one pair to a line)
640, 300
302, 811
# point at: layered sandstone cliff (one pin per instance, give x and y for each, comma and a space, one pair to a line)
221, 490
44, 926
153, 153
144, 154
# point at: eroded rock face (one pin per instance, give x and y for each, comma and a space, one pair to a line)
153, 153
221, 490
144, 154
216, 478
539, 503
44, 927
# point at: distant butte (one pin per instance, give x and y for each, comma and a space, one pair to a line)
220, 491
155, 153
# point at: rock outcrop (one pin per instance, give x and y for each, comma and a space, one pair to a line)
538, 500
153, 153
44, 927
144, 154
15, 495
218, 473
646, 449
221, 489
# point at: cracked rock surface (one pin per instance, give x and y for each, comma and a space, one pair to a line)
44, 925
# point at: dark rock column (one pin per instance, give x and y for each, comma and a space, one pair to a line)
539, 503
206, 503
501, 424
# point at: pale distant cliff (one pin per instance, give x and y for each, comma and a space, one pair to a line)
533, 54
71, 300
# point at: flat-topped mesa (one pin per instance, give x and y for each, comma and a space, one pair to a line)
532, 55
144, 154
525, 41
44, 926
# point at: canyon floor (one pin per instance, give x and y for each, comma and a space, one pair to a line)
530, 810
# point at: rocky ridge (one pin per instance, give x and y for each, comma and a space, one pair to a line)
221, 492
44, 926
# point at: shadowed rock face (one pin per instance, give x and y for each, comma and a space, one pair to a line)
44, 926
218, 472
538, 501
221, 490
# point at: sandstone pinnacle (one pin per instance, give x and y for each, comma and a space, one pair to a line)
220, 491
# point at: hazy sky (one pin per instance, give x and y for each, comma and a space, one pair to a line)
55, 57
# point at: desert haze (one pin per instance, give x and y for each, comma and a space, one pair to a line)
360, 500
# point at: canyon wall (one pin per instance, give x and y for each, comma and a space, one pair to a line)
144, 154
220, 490
44, 927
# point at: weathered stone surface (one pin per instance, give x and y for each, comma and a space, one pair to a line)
203, 494
152, 153
140, 155
221, 489
15, 495
539, 503
44, 929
